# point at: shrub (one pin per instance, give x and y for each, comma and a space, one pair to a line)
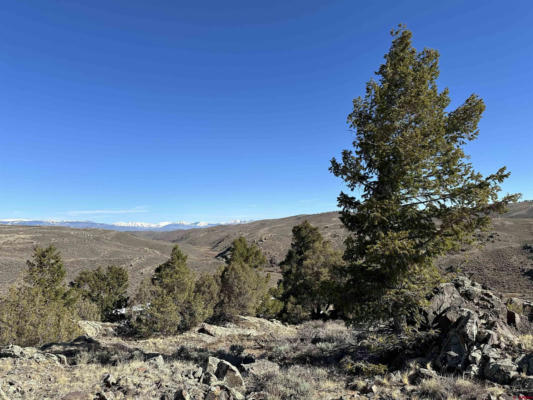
309, 275
294, 383
363, 368
174, 300
43, 309
107, 289
243, 289
205, 296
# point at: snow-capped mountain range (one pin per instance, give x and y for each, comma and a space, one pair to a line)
118, 226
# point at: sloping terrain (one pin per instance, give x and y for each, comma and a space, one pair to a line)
469, 346
81, 248
501, 263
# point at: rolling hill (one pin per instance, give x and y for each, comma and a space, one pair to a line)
501, 263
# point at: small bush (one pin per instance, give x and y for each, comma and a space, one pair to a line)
433, 389
295, 383
362, 367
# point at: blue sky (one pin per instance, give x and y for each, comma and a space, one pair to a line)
170, 110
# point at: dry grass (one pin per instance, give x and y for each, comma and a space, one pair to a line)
526, 342
52, 381
296, 383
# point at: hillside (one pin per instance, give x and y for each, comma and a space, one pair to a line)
81, 248
501, 264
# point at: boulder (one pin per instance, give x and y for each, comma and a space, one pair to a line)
30, 353
216, 370
460, 339
14, 351
500, 371
222, 331
230, 376
442, 299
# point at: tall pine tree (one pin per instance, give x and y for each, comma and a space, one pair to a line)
420, 197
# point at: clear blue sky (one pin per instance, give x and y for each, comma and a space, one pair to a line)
171, 110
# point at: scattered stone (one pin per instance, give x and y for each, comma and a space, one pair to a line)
260, 367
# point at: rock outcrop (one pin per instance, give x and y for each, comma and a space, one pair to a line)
479, 334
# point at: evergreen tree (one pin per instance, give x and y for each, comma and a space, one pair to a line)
243, 287
106, 288
174, 300
46, 272
42, 309
309, 275
420, 197
205, 296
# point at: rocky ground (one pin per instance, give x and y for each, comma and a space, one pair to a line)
473, 344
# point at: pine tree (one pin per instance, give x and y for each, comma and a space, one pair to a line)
170, 307
106, 288
243, 287
420, 197
46, 271
42, 309
309, 275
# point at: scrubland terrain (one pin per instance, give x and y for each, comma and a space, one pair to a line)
481, 350
500, 263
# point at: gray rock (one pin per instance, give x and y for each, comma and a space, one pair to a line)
524, 383
157, 362
472, 371
475, 357
501, 371
445, 296
230, 376
209, 378
487, 336
223, 392
490, 353
461, 336
211, 364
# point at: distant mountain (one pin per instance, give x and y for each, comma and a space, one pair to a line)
118, 226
